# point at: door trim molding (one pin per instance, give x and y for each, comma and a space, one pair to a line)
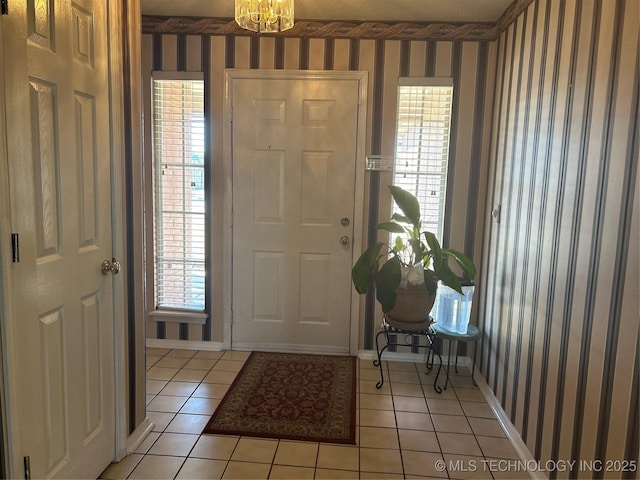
232, 74
5, 279
117, 30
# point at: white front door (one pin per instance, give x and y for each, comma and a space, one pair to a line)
60, 354
294, 167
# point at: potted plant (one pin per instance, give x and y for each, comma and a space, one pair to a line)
406, 274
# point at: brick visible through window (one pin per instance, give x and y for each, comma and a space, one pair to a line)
179, 194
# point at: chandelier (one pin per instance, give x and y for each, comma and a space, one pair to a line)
268, 16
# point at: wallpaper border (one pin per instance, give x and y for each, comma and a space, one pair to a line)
343, 29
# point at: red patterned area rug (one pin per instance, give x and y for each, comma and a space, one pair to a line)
291, 396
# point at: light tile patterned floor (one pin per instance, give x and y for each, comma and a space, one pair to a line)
404, 430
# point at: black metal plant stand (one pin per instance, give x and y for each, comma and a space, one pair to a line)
472, 335
387, 330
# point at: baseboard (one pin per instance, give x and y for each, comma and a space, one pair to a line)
184, 344
218, 346
138, 435
512, 433
292, 348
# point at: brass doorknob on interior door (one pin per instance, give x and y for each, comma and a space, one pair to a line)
111, 266
344, 240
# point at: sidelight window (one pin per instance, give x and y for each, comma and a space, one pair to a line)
422, 145
422, 148
179, 194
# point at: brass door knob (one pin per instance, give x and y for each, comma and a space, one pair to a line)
111, 266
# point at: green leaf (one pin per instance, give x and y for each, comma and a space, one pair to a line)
465, 263
416, 249
400, 218
448, 277
399, 245
391, 227
387, 280
366, 268
434, 247
430, 281
407, 203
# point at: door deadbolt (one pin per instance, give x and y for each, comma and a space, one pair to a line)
345, 221
111, 266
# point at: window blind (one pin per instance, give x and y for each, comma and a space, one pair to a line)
422, 148
179, 194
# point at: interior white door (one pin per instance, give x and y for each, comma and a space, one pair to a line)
294, 158
61, 363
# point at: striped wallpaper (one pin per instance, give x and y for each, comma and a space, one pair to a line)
560, 308
545, 125
471, 64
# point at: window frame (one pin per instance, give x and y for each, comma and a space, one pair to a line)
170, 314
446, 82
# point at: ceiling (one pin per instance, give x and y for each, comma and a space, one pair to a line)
454, 11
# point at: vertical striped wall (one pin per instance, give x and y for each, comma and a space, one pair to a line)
560, 308
471, 64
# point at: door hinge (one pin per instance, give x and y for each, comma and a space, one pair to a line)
27, 468
4, 7
15, 247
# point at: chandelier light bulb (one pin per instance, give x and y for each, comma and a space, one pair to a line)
265, 16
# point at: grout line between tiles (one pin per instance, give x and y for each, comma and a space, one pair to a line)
401, 373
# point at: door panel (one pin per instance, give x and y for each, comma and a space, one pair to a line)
314, 288
92, 354
294, 157
268, 192
88, 169
46, 168
54, 372
61, 368
267, 279
315, 188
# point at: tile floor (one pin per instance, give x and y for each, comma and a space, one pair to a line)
404, 430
